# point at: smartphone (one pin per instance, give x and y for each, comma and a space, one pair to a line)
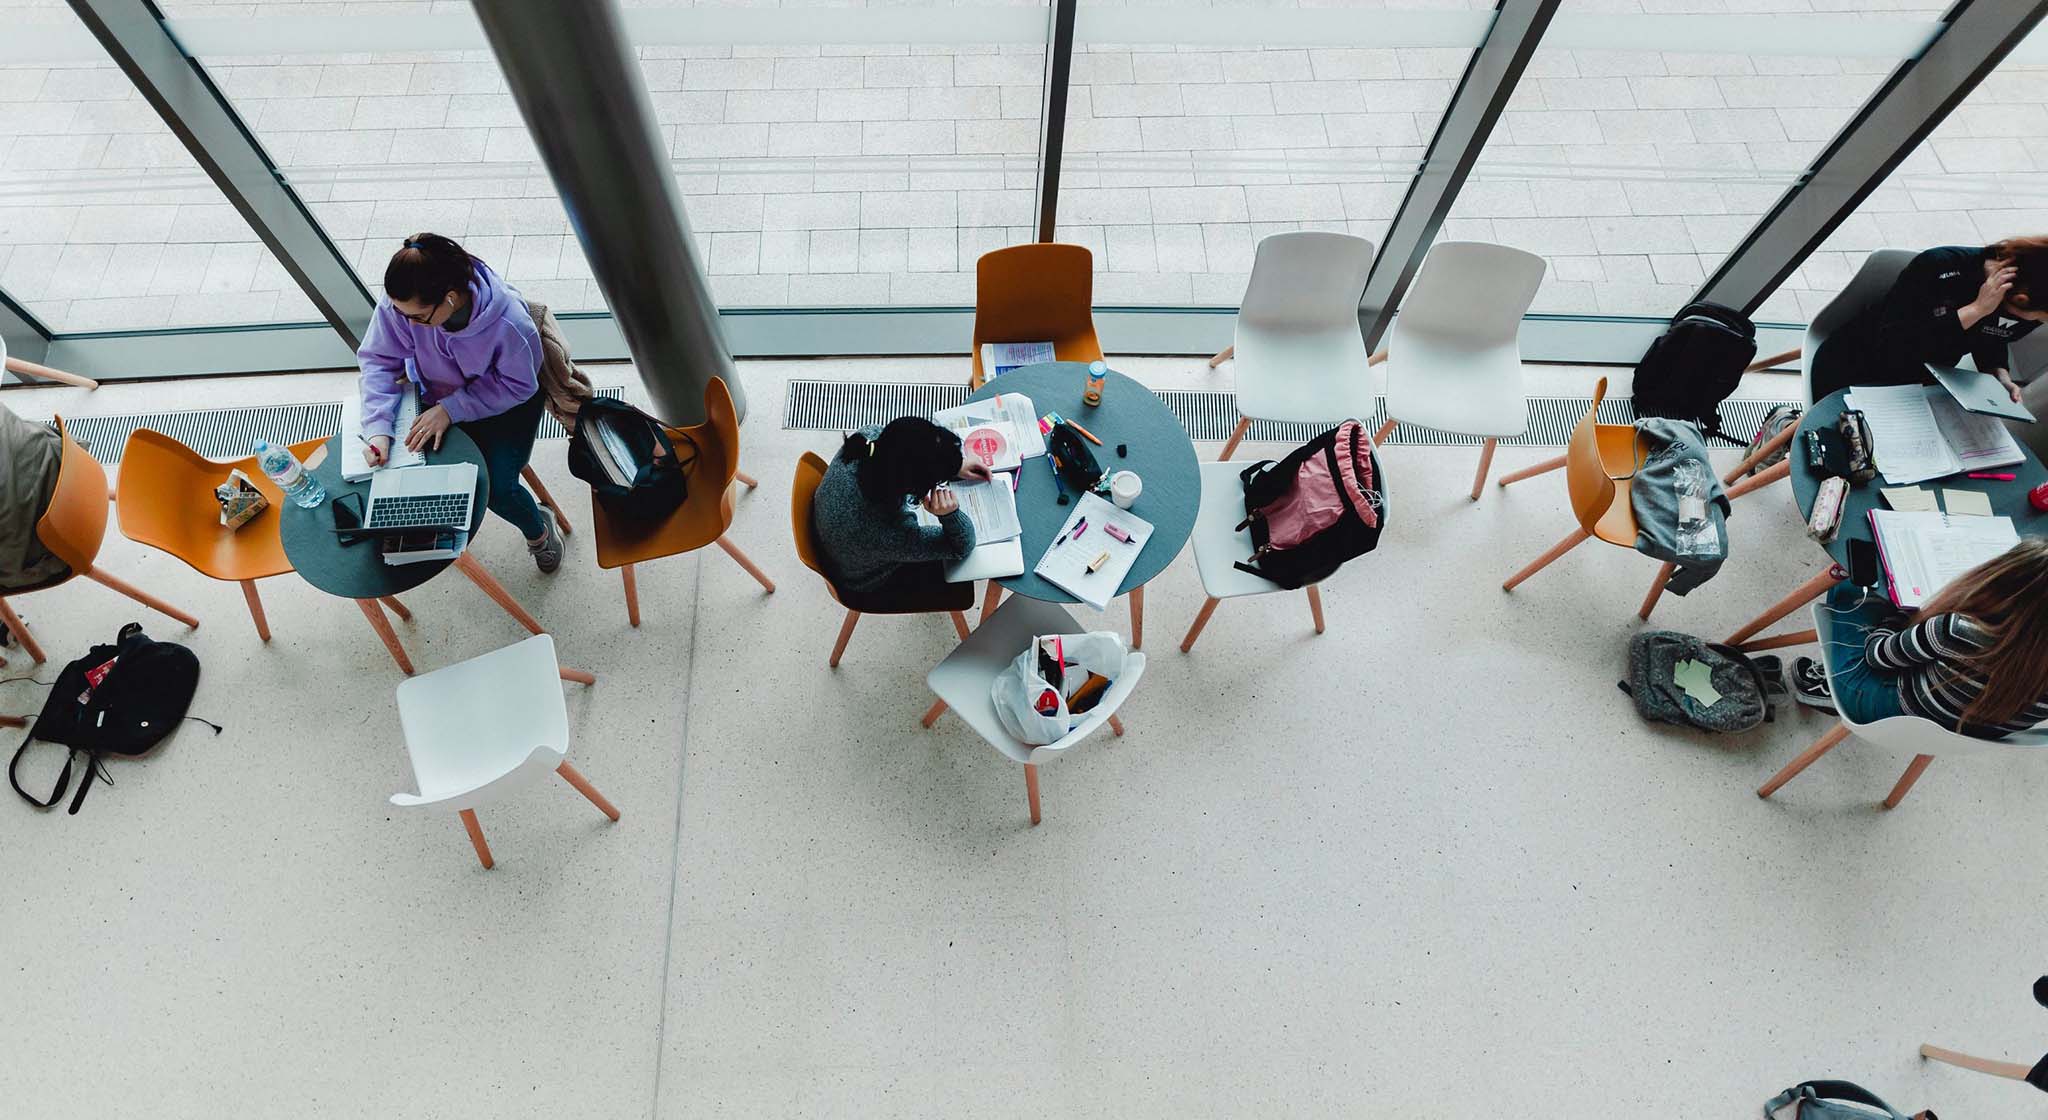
348, 516
1864, 570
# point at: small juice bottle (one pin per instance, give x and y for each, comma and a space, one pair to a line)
1091, 393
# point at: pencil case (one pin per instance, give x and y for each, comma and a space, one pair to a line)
1827, 509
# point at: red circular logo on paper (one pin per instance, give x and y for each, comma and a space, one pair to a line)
986, 444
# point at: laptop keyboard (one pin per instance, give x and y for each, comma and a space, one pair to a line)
420, 510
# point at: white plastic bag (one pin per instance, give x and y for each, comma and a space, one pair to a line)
1017, 689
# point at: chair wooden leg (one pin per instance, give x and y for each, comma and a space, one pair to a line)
1315, 604
1913, 771
991, 601
749, 480
570, 775
1544, 467
21, 368
2015, 1070
382, 626
632, 595
1117, 726
845, 632
19, 629
1656, 590
1762, 452
580, 676
1577, 538
1826, 743
1138, 617
1386, 429
1780, 641
1761, 479
1773, 360
1201, 620
1806, 593
1223, 356
932, 714
256, 609
1031, 789
476, 838
483, 579
141, 596
959, 623
1244, 424
760, 576
541, 492
1485, 464
391, 603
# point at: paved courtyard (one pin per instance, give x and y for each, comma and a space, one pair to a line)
874, 175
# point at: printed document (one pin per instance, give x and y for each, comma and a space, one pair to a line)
999, 358
990, 506
1923, 552
353, 468
1012, 407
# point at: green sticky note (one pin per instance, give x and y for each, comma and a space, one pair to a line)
1697, 679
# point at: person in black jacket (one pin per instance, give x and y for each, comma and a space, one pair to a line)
1948, 302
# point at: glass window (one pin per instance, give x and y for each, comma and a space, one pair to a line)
106, 222
1639, 148
1194, 131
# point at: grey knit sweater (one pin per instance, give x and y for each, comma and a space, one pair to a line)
865, 544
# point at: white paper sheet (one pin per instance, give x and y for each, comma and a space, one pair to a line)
998, 358
353, 468
1923, 552
1980, 442
990, 506
1905, 439
1013, 407
1065, 563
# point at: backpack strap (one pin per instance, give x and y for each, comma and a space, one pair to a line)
63, 779
1763, 691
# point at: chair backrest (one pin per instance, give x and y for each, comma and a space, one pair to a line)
717, 438
1307, 279
1585, 474
1033, 293
1911, 733
482, 727
1119, 691
76, 521
810, 471
1469, 293
1880, 270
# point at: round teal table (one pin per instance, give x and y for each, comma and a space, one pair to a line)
1159, 453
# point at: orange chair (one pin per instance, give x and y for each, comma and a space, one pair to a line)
1599, 463
697, 522
1036, 293
73, 528
953, 598
165, 499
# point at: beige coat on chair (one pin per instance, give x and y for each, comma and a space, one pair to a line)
566, 386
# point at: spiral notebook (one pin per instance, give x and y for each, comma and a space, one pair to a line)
1068, 561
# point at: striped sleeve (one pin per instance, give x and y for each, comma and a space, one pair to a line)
1926, 642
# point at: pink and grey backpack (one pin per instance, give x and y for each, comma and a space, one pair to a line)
1310, 512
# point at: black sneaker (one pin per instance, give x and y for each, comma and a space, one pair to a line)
547, 552
1810, 684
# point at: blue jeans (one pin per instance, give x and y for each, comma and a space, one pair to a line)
1862, 694
506, 441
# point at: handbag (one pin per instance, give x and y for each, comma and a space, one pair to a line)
629, 460
122, 698
1833, 1100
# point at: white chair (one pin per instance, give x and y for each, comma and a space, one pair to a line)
478, 730
1300, 355
1454, 361
1220, 544
962, 682
1922, 738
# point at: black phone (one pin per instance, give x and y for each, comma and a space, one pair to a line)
1864, 570
348, 517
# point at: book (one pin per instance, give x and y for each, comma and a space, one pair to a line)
421, 545
999, 358
1924, 552
1092, 564
996, 443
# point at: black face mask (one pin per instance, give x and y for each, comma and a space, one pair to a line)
460, 319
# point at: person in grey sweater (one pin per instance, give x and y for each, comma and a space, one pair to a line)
864, 514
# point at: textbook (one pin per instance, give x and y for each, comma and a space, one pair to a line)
1924, 552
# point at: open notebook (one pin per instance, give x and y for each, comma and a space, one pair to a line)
991, 507
1923, 552
353, 468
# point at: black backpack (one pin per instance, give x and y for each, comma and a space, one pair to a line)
1270, 487
1694, 365
629, 460
117, 699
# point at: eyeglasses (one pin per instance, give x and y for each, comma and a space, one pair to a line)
427, 320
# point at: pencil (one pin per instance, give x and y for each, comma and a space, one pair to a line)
1082, 430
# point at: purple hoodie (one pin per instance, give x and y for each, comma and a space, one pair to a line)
481, 370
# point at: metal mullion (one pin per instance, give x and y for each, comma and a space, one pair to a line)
1497, 65
1052, 118
27, 337
1919, 95
178, 88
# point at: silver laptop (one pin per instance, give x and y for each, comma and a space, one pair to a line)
1979, 392
423, 497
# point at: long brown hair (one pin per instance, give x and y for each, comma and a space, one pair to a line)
2029, 255
2008, 597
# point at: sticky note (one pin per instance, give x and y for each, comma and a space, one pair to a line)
1697, 679
1906, 498
1973, 502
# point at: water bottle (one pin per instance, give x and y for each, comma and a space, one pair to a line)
1696, 535
294, 479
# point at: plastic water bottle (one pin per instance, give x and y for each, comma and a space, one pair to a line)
291, 476
1696, 536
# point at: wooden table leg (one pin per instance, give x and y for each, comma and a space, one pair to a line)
932, 714
959, 623
496, 591
20, 631
991, 600
1223, 356
395, 607
746, 478
632, 595
1315, 604
13, 721
573, 777
1485, 464
1031, 789
1544, 467
1117, 726
382, 626
1780, 641
1806, 593
21, 368
256, 609
1138, 617
476, 838
1201, 620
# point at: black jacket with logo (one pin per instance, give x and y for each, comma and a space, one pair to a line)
1891, 341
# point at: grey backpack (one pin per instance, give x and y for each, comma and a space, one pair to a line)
1658, 673
1833, 1100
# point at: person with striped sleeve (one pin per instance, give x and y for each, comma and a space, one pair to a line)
1974, 660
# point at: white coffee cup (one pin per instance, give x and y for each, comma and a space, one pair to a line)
1124, 488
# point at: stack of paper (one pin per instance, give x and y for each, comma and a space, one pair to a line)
1012, 408
1923, 552
991, 507
1066, 563
1918, 432
353, 466
999, 358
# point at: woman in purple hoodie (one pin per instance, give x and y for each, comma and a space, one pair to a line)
473, 353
